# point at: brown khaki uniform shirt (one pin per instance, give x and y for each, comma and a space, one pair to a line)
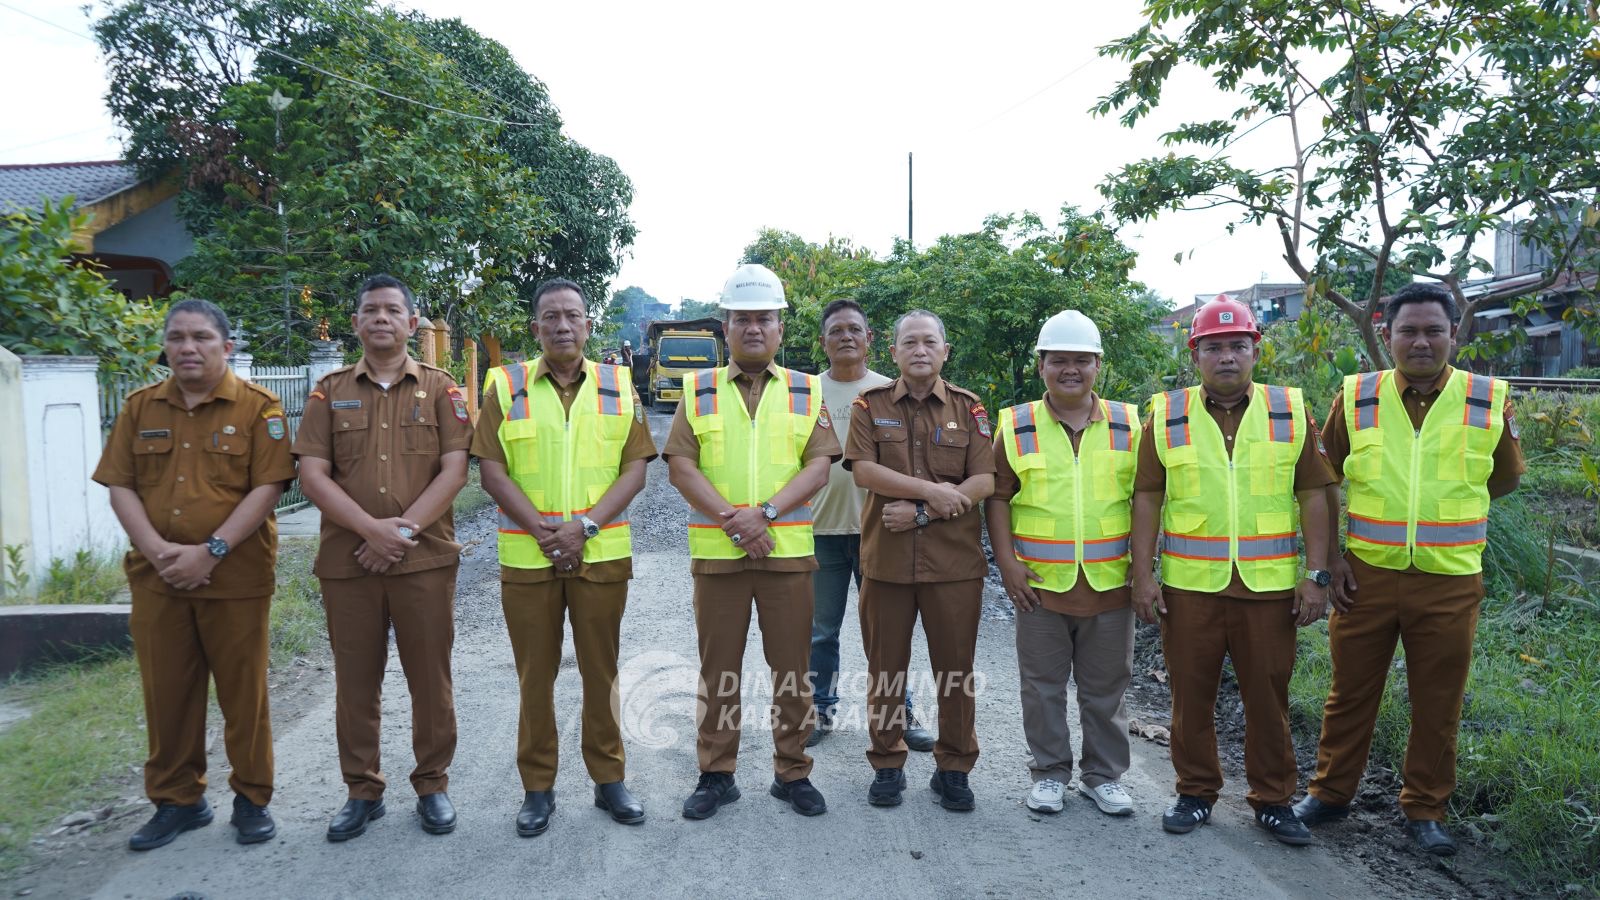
385, 447
1081, 599
681, 441
944, 437
192, 467
1509, 463
486, 445
1311, 471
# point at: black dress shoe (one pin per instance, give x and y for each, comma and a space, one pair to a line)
886, 787
802, 795
954, 794
253, 822
534, 818
614, 798
437, 812
1431, 837
1313, 812
714, 790
170, 821
352, 819
916, 737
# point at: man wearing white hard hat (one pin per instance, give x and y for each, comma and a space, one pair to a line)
1059, 522
750, 445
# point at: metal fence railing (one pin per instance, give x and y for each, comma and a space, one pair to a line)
292, 384
114, 389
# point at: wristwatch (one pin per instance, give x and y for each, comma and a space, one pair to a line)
590, 527
770, 511
922, 514
217, 546
1319, 577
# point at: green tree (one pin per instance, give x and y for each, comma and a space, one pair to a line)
51, 305
628, 314
813, 275
697, 309
1409, 134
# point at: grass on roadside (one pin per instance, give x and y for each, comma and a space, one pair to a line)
472, 497
88, 577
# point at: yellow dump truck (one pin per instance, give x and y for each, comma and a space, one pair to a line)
677, 348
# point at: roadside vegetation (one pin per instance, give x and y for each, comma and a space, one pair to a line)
88, 577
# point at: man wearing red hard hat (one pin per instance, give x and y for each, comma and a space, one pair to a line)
1228, 472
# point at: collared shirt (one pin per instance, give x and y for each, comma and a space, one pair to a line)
385, 445
837, 507
1311, 471
192, 467
486, 445
944, 437
681, 441
1081, 599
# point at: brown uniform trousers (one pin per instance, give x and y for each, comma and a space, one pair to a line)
191, 468
1434, 616
1254, 629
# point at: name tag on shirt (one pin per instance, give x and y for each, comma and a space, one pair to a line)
347, 404
156, 433
892, 423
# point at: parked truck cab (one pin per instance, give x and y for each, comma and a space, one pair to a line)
676, 349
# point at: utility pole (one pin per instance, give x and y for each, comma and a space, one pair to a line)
910, 192
279, 103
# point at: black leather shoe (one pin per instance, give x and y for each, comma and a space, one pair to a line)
715, 790
534, 818
253, 822
615, 799
351, 821
1431, 837
170, 821
1313, 812
952, 790
916, 737
438, 814
801, 794
886, 787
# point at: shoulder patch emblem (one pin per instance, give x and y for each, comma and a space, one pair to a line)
316, 395
824, 419
859, 401
275, 427
1511, 426
458, 405
981, 416
271, 411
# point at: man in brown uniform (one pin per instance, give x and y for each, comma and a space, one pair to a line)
195, 466
561, 563
1434, 615
921, 447
383, 452
750, 539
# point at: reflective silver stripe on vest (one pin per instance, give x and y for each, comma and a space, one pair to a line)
508, 524
1121, 428
1105, 549
1280, 415
705, 392
1177, 424
610, 393
1480, 399
1377, 531
798, 516
799, 393
517, 377
1275, 546
1367, 399
1452, 534
1044, 551
1024, 429
1190, 547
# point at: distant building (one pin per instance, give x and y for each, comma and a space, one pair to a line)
134, 232
1269, 302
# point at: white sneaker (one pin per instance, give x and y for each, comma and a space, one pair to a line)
1111, 797
1048, 796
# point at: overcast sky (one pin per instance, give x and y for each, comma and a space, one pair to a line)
738, 116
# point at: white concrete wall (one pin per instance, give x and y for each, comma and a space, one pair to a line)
15, 508
61, 424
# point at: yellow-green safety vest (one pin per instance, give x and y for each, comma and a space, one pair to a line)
564, 462
1421, 496
747, 460
1222, 511
1056, 525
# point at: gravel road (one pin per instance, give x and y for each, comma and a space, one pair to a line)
756, 847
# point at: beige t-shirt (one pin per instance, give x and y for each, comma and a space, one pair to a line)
837, 507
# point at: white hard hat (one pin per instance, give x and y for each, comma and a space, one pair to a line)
627, 343
753, 287
1069, 330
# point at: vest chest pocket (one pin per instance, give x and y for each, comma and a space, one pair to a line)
152, 459
1469, 458
1183, 472
892, 449
1365, 462
1113, 479
350, 434
419, 437
1271, 468
708, 431
947, 454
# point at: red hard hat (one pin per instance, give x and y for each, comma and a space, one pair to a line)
1224, 315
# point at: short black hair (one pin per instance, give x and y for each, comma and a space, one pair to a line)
1421, 292
556, 284
843, 304
384, 280
203, 307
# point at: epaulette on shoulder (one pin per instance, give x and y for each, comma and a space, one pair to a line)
873, 390
146, 389
962, 391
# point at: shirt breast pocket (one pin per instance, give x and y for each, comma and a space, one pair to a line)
893, 451
228, 462
152, 461
350, 435
418, 436
947, 456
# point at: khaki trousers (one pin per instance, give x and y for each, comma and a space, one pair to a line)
1197, 631
1435, 617
181, 643
722, 620
535, 618
421, 608
949, 613
1097, 653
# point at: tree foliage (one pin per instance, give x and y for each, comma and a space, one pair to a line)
1410, 133
52, 305
813, 275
